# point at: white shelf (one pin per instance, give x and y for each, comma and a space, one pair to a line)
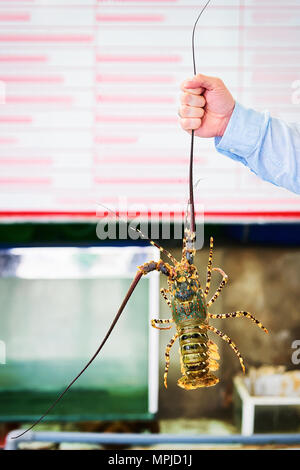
249, 402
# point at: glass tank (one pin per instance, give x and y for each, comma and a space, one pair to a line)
56, 307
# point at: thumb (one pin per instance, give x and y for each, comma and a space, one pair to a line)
200, 81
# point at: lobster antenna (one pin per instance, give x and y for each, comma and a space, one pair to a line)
161, 249
188, 204
191, 188
131, 289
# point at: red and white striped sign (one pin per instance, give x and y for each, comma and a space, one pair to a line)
91, 97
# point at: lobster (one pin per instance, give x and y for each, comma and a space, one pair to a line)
188, 303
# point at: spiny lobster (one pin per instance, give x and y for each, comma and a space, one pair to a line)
189, 305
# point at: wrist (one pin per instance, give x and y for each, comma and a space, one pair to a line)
224, 122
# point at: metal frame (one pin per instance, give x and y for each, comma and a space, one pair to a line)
147, 439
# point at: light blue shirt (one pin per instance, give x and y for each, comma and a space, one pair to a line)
268, 146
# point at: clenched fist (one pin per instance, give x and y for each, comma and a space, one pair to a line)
206, 106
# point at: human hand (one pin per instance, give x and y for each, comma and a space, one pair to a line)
206, 106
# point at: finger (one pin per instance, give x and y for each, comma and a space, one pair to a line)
190, 124
193, 91
190, 112
200, 80
197, 101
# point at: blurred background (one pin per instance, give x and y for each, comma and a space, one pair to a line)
89, 93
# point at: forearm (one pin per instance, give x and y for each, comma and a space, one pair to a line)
268, 146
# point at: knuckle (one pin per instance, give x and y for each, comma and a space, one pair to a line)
182, 86
188, 99
189, 124
183, 97
181, 122
185, 124
185, 111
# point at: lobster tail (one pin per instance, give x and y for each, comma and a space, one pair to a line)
190, 383
198, 357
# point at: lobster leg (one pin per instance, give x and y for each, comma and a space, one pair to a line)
230, 342
170, 320
222, 284
167, 356
208, 275
154, 321
164, 294
144, 269
238, 314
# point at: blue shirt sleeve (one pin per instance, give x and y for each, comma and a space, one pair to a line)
267, 146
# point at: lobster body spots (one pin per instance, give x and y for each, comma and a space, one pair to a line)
187, 297
193, 309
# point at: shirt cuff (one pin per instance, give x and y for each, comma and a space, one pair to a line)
242, 134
